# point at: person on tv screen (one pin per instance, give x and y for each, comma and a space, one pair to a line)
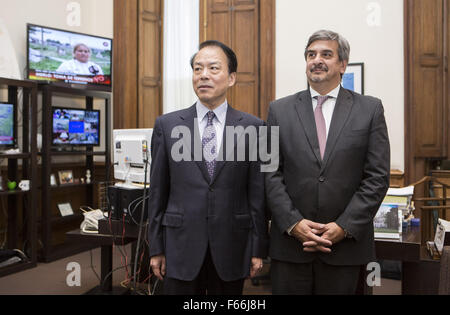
80, 64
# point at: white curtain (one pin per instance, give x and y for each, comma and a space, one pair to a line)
181, 39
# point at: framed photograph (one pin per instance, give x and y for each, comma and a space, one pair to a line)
388, 222
442, 236
65, 177
353, 78
65, 209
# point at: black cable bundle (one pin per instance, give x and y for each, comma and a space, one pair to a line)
141, 220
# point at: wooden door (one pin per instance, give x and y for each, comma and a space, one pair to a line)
237, 24
149, 63
137, 63
447, 75
428, 79
248, 26
426, 85
125, 45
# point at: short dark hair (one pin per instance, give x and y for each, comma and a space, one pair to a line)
231, 56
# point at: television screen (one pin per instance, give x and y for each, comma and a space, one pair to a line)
75, 126
7, 130
62, 56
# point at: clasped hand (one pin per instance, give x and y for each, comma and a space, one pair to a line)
317, 237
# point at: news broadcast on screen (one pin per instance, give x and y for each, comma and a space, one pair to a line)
63, 56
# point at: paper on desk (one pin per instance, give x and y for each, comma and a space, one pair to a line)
399, 200
405, 191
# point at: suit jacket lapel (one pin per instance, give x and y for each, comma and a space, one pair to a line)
189, 120
306, 115
341, 113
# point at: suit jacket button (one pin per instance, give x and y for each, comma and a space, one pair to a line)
211, 189
321, 179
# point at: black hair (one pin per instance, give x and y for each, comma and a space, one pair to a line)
231, 56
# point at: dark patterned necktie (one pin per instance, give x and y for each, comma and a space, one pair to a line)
320, 124
209, 144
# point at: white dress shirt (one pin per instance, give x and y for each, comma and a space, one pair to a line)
328, 105
218, 121
327, 110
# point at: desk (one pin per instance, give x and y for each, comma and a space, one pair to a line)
407, 248
105, 242
420, 274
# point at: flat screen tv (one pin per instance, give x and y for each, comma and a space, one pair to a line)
7, 126
55, 55
75, 127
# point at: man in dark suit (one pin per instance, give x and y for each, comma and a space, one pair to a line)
207, 222
332, 177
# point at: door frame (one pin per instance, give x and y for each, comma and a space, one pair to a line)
267, 48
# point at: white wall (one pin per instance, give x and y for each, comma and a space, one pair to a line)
95, 18
374, 30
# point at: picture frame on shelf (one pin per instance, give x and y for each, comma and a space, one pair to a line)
65, 177
353, 78
388, 221
65, 209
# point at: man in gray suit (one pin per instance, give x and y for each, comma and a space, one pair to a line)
332, 177
207, 222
